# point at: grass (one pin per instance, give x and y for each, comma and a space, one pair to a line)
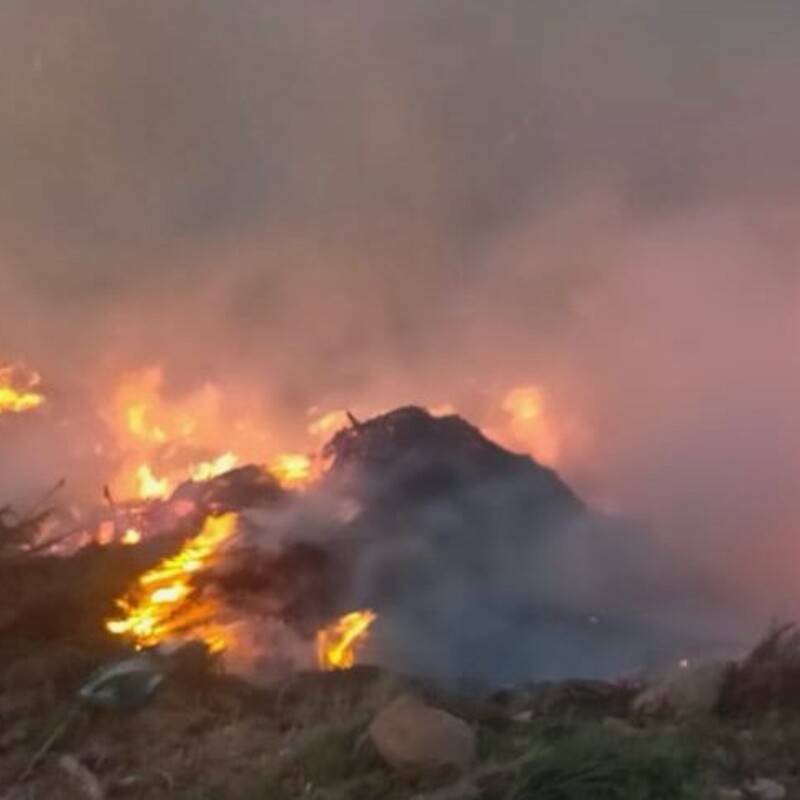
317, 749
590, 763
327, 765
220, 740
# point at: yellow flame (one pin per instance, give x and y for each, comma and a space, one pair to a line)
530, 424
137, 420
169, 595
18, 390
292, 470
211, 469
164, 601
150, 486
147, 417
326, 425
524, 403
338, 644
131, 537
166, 431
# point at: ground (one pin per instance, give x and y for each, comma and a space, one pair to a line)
214, 738
208, 736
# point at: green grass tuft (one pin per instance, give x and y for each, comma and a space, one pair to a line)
592, 764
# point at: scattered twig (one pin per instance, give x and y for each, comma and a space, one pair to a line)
46, 747
46, 498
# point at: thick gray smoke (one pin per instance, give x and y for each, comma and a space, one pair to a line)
368, 203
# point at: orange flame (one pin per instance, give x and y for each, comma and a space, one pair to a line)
139, 411
325, 426
137, 420
207, 470
292, 470
18, 390
524, 404
131, 537
158, 437
338, 644
165, 602
530, 425
151, 487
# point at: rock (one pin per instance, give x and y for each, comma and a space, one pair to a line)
687, 691
413, 737
766, 789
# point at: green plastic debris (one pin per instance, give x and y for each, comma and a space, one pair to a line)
125, 685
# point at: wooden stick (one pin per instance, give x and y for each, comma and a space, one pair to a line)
57, 733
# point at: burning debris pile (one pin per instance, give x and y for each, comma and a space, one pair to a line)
409, 456
412, 540
408, 503
422, 547
164, 605
18, 531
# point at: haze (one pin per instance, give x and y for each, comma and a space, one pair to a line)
365, 204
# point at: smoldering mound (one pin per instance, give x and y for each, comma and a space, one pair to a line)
481, 564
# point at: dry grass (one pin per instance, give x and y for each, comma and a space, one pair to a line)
768, 680
211, 737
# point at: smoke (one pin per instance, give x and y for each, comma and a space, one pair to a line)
365, 204
479, 564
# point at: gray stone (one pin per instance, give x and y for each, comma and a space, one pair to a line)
414, 737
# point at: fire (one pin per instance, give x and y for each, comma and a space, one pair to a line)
158, 436
524, 404
443, 410
207, 470
337, 645
18, 390
158, 440
165, 602
530, 426
293, 470
136, 418
148, 418
131, 537
151, 487
325, 426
